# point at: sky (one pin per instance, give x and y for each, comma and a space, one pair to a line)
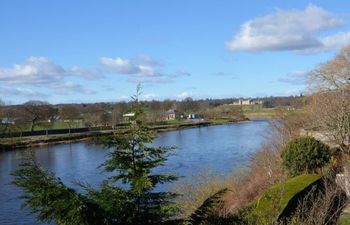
98, 51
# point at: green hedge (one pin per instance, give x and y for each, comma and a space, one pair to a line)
305, 155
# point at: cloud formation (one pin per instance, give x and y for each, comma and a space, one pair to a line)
296, 78
21, 92
141, 69
184, 94
140, 66
42, 72
294, 30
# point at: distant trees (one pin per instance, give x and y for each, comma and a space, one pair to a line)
188, 105
70, 114
3, 127
94, 115
33, 113
117, 113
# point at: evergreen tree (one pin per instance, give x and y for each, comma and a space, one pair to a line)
128, 196
133, 160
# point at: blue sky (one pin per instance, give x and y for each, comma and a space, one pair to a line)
91, 51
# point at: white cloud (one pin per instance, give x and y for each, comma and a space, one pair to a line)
69, 86
293, 91
156, 80
84, 73
139, 66
290, 30
123, 98
41, 72
141, 69
184, 94
149, 96
21, 92
297, 77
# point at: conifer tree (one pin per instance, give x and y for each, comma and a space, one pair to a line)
133, 160
128, 196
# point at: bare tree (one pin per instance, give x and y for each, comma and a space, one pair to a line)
332, 75
188, 105
117, 114
330, 115
70, 114
330, 105
36, 112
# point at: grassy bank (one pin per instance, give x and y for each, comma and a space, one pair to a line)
7, 144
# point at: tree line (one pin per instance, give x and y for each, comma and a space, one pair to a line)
34, 115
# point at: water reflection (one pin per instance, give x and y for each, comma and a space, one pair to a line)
222, 148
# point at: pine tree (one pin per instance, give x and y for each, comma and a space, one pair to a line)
128, 196
133, 160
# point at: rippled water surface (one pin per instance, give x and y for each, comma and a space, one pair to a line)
222, 148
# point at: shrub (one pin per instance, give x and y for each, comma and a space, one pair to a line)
305, 154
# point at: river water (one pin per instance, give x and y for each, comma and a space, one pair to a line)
221, 148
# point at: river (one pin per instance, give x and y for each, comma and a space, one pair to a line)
221, 148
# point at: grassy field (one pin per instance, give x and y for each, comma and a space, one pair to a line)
51, 126
344, 219
252, 111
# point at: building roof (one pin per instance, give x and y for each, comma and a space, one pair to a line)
171, 111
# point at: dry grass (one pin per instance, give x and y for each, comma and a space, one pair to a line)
246, 185
194, 190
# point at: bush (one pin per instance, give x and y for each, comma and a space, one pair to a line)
305, 155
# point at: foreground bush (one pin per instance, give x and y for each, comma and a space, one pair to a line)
305, 155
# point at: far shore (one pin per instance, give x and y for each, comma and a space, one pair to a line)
8, 144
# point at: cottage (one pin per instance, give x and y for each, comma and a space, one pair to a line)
127, 115
247, 102
170, 114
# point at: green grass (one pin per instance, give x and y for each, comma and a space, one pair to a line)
344, 219
50, 126
276, 199
59, 125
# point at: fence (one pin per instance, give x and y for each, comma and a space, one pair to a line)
54, 131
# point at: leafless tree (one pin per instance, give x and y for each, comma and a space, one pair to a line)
330, 105
70, 114
330, 115
332, 75
36, 112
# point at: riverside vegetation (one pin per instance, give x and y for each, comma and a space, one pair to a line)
291, 180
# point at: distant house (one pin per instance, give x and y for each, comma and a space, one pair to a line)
193, 116
55, 119
247, 102
7, 121
170, 114
128, 115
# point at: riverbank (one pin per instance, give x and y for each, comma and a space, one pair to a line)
8, 144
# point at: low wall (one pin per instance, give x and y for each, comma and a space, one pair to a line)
53, 132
